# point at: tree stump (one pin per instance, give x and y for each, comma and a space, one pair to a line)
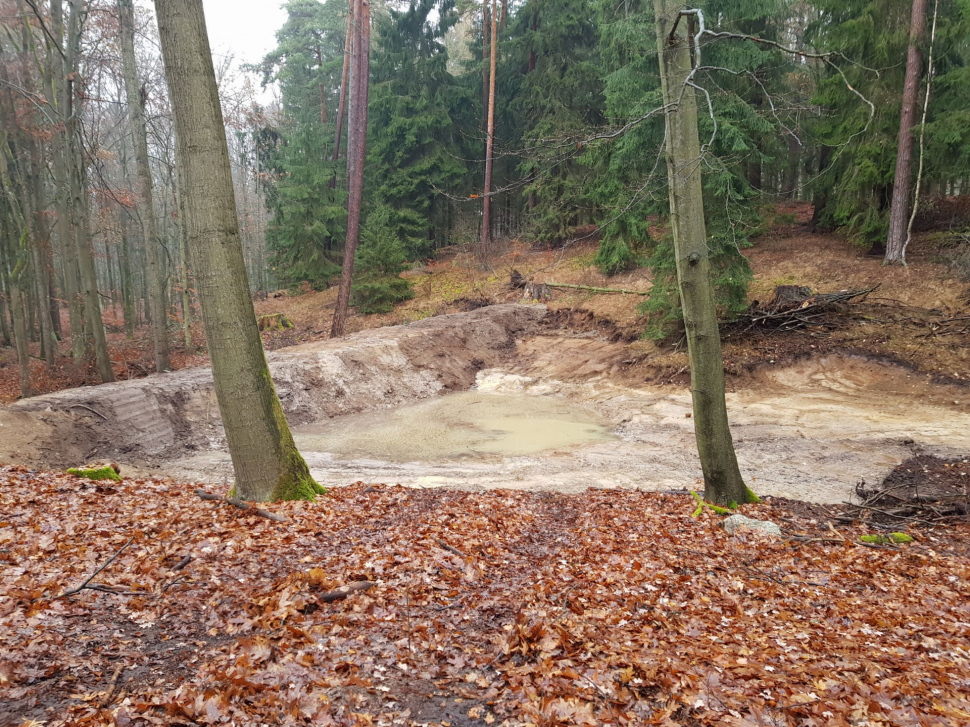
274, 322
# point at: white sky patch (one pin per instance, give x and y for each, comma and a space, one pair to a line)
246, 29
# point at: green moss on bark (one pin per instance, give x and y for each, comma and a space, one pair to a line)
99, 473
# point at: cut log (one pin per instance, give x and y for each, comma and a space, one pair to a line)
344, 591
593, 289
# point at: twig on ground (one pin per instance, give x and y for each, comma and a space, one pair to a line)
86, 583
451, 549
235, 502
106, 699
593, 289
344, 591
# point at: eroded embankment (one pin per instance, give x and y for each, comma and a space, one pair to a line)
165, 416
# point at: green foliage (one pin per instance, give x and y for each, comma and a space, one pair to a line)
857, 158
381, 258
305, 193
97, 473
730, 276
417, 111
557, 103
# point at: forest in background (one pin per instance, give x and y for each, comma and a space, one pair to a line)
798, 100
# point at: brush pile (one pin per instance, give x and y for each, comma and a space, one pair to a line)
794, 307
924, 488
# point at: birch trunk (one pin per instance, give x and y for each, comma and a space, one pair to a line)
722, 477
264, 456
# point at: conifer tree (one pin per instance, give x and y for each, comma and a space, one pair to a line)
418, 113
305, 235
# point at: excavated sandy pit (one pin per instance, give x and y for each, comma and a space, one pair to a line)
495, 398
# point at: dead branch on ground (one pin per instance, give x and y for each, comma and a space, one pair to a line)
242, 506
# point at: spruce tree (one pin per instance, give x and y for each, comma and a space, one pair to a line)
419, 116
305, 235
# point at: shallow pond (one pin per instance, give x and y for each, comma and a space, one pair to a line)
460, 426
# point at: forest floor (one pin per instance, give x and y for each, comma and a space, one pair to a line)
916, 318
614, 607
527, 605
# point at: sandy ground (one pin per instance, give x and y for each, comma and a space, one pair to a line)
510, 396
810, 431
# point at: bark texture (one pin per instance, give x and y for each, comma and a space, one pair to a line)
902, 182
356, 151
264, 456
722, 477
144, 185
343, 85
60, 63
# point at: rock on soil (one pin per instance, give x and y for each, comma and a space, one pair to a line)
735, 522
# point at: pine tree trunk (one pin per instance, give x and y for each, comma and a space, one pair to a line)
485, 62
489, 144
722, 477
343, 89
902, 183
139, 135
358, 150
264, 456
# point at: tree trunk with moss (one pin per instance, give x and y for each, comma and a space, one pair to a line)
722, 477
264, 456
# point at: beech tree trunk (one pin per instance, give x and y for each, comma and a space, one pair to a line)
60, 63
722, 477
94, 324
143, 184
264, 456
902, 183
356, 151
20, 335
489, 143
183, 266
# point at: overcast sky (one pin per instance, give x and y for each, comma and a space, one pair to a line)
245, 28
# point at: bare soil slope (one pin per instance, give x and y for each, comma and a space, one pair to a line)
163, 416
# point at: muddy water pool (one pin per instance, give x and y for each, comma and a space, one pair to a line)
468, 425
810, 431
